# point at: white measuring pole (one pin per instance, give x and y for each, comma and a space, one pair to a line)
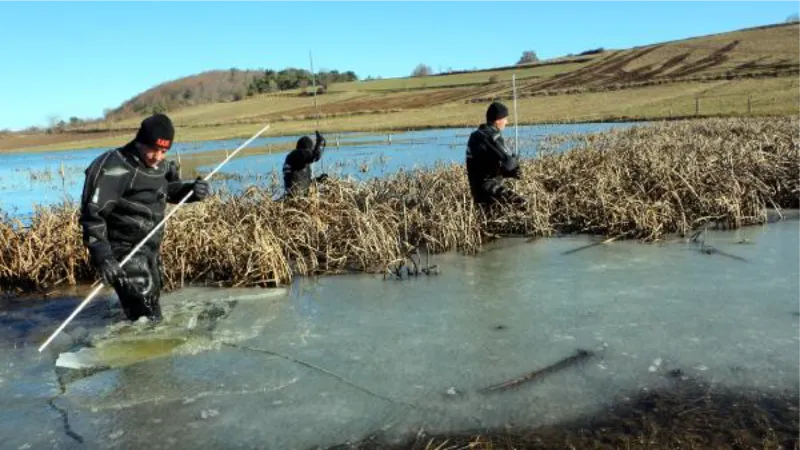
316, 108
516, 127
99, 288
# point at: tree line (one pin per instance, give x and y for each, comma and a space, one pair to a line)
218, 86
292, 78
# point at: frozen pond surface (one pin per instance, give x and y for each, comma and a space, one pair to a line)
333, 359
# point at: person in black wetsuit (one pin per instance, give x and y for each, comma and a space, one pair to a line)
125, 195
489, 161
297, 177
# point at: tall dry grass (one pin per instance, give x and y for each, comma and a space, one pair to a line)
641, 183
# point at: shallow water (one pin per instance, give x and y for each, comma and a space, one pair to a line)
333, 359
35, 178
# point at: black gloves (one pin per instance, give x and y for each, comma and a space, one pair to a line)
201, 189
111, 272
320, 145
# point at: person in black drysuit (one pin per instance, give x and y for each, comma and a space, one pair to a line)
489, 161
125, 195
297, 166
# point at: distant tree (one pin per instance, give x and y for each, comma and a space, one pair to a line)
793, 18
325, 79
528, 56
52, 120
422, 70
592, 51
52, 123
239, 95
218, 86
493, 79
158, 108
74, 120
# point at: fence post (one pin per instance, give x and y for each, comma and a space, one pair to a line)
749, 109
697, 106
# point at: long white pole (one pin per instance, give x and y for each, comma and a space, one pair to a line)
316, 108
314, 85
99, 288
516, 127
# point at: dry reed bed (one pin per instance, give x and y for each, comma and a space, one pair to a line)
640, 183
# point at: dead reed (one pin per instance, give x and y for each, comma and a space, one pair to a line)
642, 183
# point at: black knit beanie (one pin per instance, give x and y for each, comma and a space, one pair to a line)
156, 131
305, 143
496, 111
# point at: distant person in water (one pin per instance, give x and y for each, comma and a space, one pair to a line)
125, 195
489, 161
297, 177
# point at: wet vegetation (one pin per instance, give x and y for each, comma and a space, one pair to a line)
642, 183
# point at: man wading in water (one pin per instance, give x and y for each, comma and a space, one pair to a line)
124, 197
489, 161
297, 166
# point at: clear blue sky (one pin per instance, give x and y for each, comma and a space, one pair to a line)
75, 59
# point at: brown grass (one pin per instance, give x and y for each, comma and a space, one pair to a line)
642, 183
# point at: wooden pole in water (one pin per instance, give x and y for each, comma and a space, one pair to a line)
180, 170
100, 286
314, 86
316, 108
516, 127
577, 357
63, 175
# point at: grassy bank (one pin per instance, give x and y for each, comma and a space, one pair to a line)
642, 183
